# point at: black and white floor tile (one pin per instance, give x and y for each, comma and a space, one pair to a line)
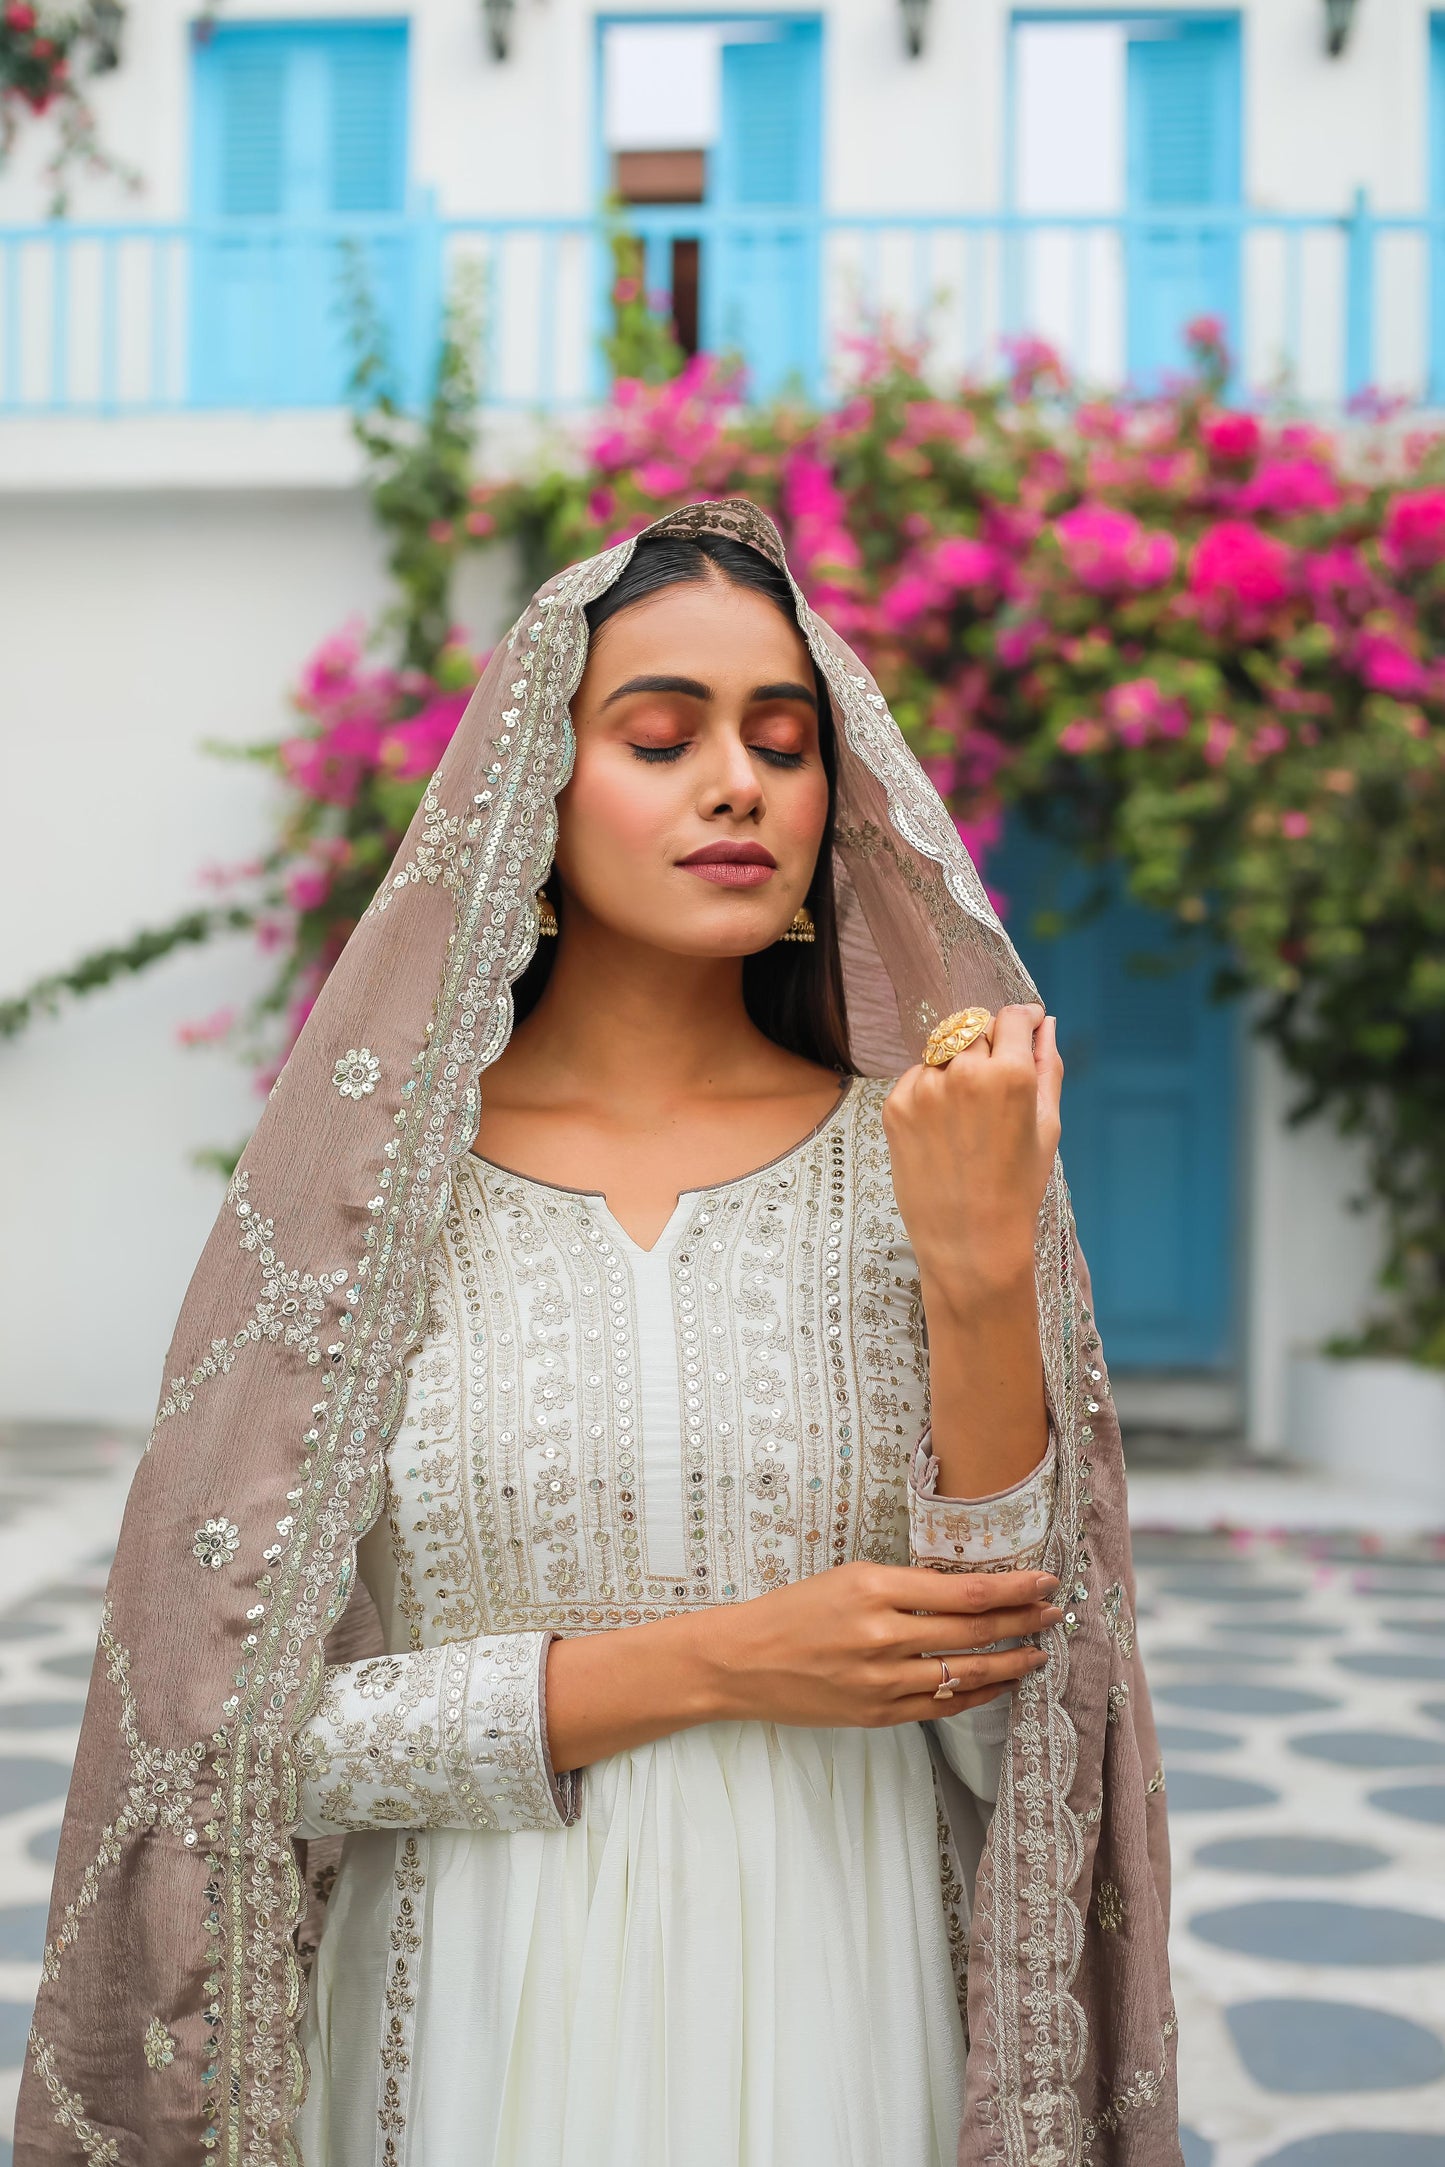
1300, 1688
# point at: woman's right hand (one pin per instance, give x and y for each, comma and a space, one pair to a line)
860, 1644
856, 1645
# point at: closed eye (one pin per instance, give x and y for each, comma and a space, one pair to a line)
659, 752
773, 754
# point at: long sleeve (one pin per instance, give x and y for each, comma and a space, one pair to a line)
446, 1737
1002, 1533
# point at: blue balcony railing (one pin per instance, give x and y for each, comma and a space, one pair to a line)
237, 314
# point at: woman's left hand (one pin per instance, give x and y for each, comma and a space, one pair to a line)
972, 1146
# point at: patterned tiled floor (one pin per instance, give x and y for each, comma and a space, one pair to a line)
1301, 1691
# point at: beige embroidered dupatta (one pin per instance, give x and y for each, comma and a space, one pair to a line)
165, 2031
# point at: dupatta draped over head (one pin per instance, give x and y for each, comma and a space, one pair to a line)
165, 2031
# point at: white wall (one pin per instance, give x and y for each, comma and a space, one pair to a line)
136, 626
1310, 1260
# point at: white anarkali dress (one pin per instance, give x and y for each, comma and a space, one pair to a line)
742, 1946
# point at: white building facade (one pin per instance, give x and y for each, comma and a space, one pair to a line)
181, 519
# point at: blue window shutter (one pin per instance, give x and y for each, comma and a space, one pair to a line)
301, 124
368, 122
1183, 96
251, 150
760, 280
769, 147
1182, 120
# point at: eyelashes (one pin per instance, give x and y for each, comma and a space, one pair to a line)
665, 754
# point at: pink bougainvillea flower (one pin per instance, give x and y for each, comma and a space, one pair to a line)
1138, 711
307, 887
961, 562
1219, 738
911, 596
1033, 365
1413, 538
980, 832
1206, 337
1083, 735
1386, 665
413, 747
1230, 437
1268, 739
1107, 550
1235, 563
1294, 825
1288, 487
1017, 644
1337, 580
658, 478
479, 524
207, 1030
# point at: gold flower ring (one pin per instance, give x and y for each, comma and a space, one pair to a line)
956, 1033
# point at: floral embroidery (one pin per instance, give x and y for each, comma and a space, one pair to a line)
158, 2045
217, 1543
1146, 2088
399, 2003
1117, 1621
357, 1073
289, 1312
1109, 1906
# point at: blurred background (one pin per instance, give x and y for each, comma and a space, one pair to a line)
1092, 361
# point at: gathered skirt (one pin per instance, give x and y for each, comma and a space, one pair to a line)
738, 1956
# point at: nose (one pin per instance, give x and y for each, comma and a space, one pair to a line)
733, 783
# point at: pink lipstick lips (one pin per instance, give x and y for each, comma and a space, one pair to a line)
732, 865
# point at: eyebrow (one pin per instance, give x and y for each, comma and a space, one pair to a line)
693, 688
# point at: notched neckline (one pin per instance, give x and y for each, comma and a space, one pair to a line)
706, 1188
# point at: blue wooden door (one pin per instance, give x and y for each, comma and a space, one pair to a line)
1149, 1113
760, 295
1182, 156
298, 132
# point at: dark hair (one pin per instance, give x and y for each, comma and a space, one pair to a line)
793, 991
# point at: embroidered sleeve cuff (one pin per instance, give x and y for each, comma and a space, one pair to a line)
1002, 1533
448, 1737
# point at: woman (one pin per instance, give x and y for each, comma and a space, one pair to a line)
666, 1800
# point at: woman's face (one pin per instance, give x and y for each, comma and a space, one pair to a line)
698, 800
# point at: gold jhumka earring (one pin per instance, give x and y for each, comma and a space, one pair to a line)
802, 927
546, 917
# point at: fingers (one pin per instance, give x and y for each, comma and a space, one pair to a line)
1013, 1032
969, 1673
922, 1588
947, 1636
1049, 1070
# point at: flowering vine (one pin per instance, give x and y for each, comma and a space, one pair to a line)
1204, 648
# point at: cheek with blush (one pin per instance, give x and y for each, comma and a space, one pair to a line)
612, 837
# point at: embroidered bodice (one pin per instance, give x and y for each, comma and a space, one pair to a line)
596, 1434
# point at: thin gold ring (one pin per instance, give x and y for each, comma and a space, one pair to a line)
956, 1034
947, 1685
